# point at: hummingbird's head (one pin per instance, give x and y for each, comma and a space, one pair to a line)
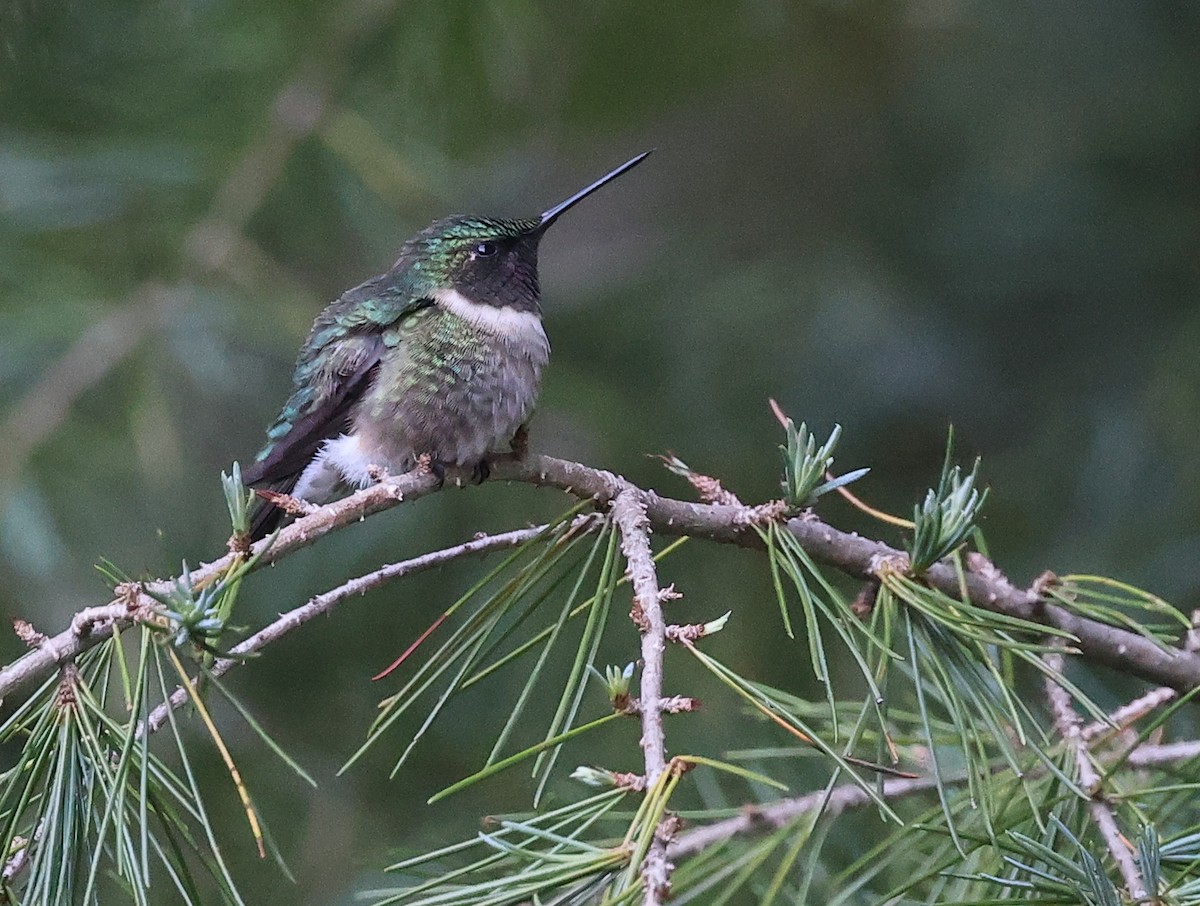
489, 261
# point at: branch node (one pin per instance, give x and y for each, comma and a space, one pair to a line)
130, 594
891, 562
293, 506
767, 513
669, 594
635, 783
239, 544
624, 703
707, 488
864, 602
678, 704
1042, 584
679, 766
27, 634
637, 613
68, 679
686, 632
670, 704
670, 825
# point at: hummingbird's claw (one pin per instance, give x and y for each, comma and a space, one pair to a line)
520, 442
481, 471
439, 472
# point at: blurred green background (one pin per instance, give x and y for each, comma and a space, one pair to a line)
894, 216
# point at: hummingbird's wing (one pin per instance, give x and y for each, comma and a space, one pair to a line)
337, 366
316, 414
311, 416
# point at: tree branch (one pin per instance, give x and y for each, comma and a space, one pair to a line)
986, 586
84, 634
637, 512
1070, 728
324, 603
755, 820
760, 819
629, 513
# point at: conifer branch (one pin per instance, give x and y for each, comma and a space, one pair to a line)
327, 601
629, 513
637, 512
757, 820
754, 820
1070, 729
856, 556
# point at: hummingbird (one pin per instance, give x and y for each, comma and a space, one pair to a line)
439, 359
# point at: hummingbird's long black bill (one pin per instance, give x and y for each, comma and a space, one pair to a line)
548, 217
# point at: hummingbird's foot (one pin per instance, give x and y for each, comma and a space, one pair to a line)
480, 473
520, 442
377, 473
439, 472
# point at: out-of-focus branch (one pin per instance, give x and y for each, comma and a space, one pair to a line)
214, 243
1129, 713
1163, 754
103, 345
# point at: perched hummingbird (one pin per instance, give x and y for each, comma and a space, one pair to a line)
441, 356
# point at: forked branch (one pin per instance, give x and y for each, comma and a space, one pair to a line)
854, 555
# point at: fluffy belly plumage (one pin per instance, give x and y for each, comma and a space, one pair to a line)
449, 391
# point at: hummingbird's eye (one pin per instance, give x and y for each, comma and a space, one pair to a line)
486, 250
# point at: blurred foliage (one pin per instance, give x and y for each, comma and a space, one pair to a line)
889, 215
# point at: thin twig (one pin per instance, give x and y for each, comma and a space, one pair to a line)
755, 820
324, 603
1167, 753
1070, 728
708, 488
759, 819
1129, 713
629, 513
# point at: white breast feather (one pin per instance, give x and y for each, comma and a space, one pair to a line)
508, 323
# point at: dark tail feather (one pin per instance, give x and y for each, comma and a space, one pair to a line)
264, 519
266, 515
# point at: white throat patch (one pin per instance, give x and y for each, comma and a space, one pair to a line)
501, 322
